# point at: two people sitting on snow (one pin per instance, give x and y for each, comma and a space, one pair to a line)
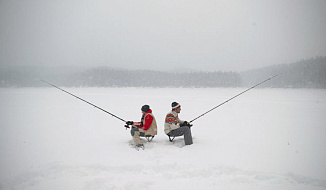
173, 126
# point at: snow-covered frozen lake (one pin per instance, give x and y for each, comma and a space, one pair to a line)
263, 139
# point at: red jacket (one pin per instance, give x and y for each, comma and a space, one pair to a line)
146, 121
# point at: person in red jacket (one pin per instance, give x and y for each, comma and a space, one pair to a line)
146, 127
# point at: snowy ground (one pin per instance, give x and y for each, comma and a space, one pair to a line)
264, 139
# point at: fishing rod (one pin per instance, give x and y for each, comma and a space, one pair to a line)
232, 98
87, 102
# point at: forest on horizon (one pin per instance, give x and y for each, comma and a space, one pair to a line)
308, 73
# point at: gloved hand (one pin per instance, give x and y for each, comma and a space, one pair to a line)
186, 123
183, 124
129, 122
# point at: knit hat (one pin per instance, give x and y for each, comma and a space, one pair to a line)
175, 105
145, 108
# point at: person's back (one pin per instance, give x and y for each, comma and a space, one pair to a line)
152, 130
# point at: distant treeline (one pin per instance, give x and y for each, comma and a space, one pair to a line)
110, 77
310, 73
143, 78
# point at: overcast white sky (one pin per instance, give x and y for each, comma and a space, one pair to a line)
211, 35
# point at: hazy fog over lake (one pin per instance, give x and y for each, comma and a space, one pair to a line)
206, 35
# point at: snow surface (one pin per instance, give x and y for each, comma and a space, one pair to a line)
263, 139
